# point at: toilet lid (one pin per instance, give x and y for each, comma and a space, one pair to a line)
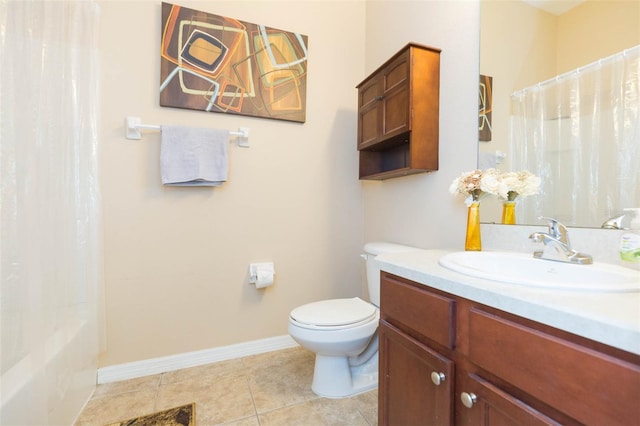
334, 312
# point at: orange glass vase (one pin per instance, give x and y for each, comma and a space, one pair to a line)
509, 212
473, 241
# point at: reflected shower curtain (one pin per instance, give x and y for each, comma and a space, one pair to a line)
51, 246
580, 132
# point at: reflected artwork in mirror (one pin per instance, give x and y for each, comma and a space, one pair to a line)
589, 164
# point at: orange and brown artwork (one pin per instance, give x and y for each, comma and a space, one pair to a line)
219, 64
485, 98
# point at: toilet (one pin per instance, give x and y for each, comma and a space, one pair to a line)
343, 334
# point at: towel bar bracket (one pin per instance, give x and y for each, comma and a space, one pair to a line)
243, 137
132, 128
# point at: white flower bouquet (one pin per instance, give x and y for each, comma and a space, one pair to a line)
507, 186
514, 184
474, 184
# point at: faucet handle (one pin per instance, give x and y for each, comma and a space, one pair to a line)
557, 230
613, 223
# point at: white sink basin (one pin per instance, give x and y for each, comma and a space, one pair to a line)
520, 268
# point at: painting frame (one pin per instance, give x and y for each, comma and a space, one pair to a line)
485, 103
219, 64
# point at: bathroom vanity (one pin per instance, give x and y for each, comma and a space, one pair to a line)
461, 350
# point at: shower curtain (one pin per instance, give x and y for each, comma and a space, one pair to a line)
580, 132
51, 247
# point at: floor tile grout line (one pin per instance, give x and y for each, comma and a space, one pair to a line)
252, 372
293, 404
363, 416
155, 401
253, 400
245, 374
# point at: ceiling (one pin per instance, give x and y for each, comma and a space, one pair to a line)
557, 7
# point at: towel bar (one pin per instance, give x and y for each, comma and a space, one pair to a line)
133, 125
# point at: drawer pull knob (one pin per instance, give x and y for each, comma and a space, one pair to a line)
379, 98
468, 399
437, 378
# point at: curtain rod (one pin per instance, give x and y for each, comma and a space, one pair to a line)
603, 61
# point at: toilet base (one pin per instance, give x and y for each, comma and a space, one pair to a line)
333, 377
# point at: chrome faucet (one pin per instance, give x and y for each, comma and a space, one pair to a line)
557, 246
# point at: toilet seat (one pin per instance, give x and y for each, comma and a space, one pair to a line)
334, 314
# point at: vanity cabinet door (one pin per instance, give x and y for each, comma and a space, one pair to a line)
415, 382
480, 403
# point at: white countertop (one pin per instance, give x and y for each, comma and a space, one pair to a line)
609, 318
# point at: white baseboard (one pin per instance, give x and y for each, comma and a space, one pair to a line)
132, 370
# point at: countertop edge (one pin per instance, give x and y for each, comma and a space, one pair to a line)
609, 318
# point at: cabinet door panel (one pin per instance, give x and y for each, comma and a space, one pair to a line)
369, 120
557, 372
397, 73
368, 92
494, 407
396, 112
369, 113
407, 394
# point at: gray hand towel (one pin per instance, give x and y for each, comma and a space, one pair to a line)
192, 156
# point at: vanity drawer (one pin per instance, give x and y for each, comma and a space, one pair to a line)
414, 307
546, 368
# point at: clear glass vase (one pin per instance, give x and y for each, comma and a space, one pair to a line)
509, 212
473, 241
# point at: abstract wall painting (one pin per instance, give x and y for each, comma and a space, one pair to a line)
485, 99
219, 64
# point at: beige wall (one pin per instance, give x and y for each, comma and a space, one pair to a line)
613, 26
176, 259
418, 210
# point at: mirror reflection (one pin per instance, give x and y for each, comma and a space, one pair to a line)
527, 50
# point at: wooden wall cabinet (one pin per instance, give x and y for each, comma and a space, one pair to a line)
445, 360
398, 115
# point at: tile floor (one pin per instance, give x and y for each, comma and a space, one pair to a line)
273, 388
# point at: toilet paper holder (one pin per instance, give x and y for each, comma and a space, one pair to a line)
261, 273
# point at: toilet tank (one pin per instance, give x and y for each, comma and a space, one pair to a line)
371, 250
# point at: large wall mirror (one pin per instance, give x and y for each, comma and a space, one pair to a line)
524, 44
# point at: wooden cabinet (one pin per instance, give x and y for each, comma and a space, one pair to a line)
417, 337
398, 113
482, 403
448, 360
426, 401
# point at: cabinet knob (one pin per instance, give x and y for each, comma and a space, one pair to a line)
468, 399
437, 378
379, 98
